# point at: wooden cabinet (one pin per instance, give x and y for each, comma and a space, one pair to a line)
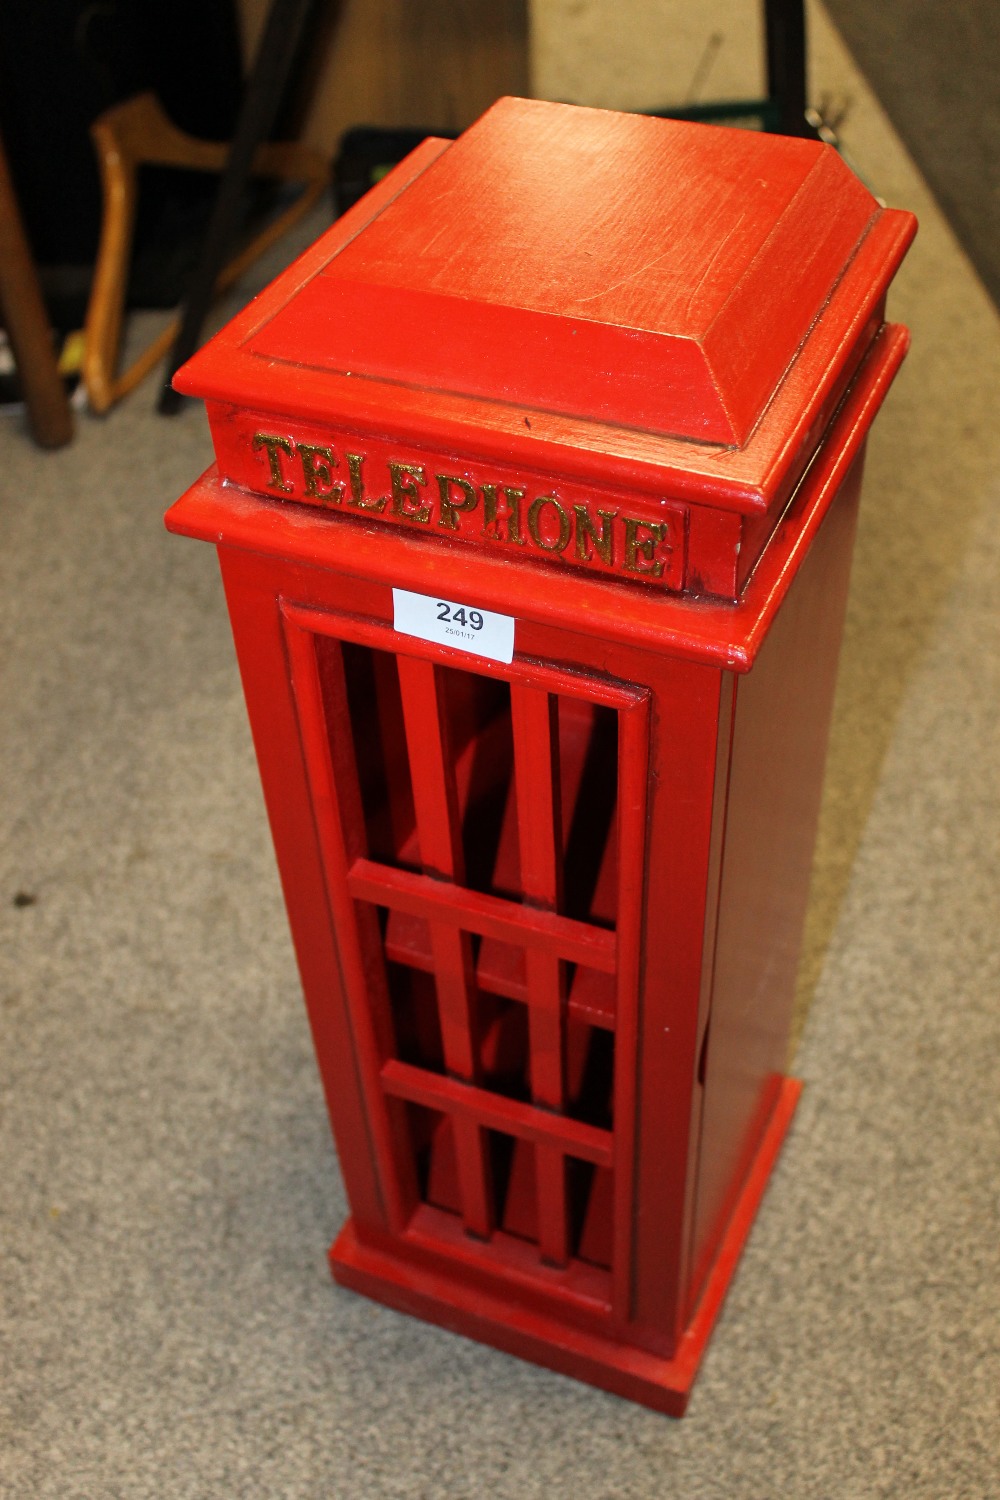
592, 389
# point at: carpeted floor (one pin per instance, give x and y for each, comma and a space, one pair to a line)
936, 69
167, 1183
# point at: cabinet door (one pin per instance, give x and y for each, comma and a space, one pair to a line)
481, 829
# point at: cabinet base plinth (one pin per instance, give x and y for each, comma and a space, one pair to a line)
601, 1360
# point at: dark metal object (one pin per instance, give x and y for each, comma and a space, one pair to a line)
783, 112
27, 324
272, 65
785, 44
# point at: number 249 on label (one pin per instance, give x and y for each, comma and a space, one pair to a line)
450, 623
458, 614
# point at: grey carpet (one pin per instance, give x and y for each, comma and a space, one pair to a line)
936, 69
167, 1183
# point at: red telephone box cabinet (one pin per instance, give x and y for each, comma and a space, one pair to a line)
535, 491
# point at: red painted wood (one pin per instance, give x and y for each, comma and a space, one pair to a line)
666, 322
535, 724
488, 915
523, 1120
716, 840
364, 980
663, 251
441, 856
561, 1343
369, 1177
438, 833
777, 748
633, 816
729, 636
611, 377
323, 609
506, 1264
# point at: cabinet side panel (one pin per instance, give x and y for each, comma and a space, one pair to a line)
682, 775
780, 732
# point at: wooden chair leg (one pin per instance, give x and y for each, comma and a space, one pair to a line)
138, 133
785, 47
275, 55
27, 324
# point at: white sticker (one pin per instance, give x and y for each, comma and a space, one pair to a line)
466, 627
